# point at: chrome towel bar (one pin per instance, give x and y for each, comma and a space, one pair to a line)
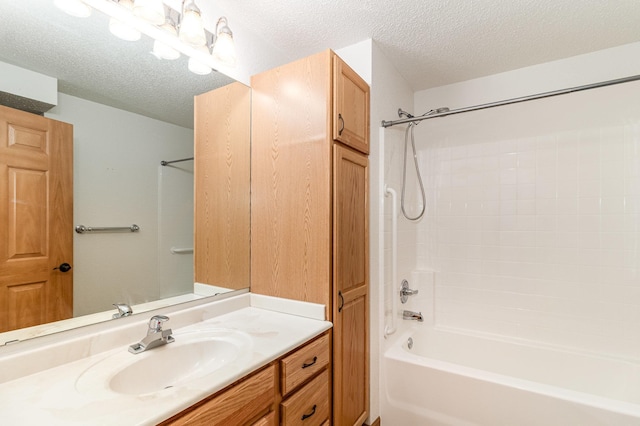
81, 229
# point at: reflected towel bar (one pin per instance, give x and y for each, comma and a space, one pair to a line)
81, 229
176, 250
166, 163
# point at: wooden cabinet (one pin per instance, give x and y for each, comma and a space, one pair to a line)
292, 391
350, 108
309, 214
240, 404
304, 384
350, 282
222, 149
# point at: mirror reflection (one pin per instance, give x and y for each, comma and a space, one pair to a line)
129, 111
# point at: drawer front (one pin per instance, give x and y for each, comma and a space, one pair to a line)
268, 420
235, 406
304, 363
310, 405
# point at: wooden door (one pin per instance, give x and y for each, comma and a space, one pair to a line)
350, 287
350, 107
36, 219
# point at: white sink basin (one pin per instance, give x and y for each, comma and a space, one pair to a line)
193, 355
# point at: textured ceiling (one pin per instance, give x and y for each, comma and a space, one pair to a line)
432, 42
91, 63
437, 42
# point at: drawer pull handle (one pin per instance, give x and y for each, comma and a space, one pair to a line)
341, 124
313, 411
307, 365
341, 301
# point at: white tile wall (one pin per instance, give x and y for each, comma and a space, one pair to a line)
533, 220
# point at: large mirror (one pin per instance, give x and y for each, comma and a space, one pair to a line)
130, 111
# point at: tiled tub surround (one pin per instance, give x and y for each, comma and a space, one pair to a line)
38, 378
533, 220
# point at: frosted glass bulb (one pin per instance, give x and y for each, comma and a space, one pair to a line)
151, 11
192, 28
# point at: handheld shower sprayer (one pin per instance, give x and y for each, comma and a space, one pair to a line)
409, 134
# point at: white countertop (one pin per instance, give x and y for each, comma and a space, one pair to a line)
53, 396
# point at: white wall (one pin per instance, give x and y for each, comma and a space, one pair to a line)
388, 92
534, 231
117, 176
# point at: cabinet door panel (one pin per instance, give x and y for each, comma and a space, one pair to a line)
350, 287
350, 107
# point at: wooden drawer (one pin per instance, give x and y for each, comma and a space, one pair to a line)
304, 364
310, 405
268, 420
238, 405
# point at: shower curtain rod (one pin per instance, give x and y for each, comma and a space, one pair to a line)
513, 100
165, 163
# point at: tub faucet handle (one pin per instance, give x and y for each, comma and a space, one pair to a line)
405, 291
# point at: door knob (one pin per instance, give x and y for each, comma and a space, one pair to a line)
64, 267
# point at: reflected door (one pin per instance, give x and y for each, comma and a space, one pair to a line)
36, 219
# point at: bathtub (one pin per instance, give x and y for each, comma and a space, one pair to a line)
450, 378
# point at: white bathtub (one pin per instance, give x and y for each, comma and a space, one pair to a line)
449, 378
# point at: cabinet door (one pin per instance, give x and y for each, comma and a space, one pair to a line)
350, 287
350, 107
222, 180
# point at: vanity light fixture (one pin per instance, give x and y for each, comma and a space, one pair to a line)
207, 51
121, 28
191, 27
224, 49
75, 8
151, 11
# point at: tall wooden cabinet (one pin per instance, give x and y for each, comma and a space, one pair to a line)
310, 207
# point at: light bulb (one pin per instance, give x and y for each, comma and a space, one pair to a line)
191, 27
75, 8
162, 51
224, 49
197, 67
122, 29
151, 11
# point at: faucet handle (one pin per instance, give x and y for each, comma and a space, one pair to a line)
124, 310
155, 323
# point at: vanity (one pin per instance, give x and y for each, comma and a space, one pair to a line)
246, 359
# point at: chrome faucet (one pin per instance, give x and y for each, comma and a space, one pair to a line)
124, 310
405, 291
156, 336
413, 316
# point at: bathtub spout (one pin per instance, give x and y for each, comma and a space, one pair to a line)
413, 316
